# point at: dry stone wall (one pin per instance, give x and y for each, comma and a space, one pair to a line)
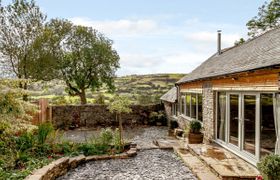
99, 115
208, 111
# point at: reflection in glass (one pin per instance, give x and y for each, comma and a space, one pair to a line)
193, 106
182, 105
234, 119
268, 134
199, 96
221, 115
249, 123
188, 102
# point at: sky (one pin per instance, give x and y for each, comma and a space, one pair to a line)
159, 36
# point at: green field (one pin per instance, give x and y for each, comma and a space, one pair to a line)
141, 89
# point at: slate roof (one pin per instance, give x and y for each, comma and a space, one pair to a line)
170, 96
260, 52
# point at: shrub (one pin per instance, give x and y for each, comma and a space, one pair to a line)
106, 136
100, 99
157, 117
59, 100
270, 167
117, 141
25, 141
43, 131
88, 149
66, 147
195, 126
153, 117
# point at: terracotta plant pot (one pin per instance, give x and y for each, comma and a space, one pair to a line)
195, 138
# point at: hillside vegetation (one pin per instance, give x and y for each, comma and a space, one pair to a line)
141, 89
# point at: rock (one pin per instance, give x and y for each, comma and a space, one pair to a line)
75, 161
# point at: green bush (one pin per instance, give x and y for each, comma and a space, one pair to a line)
88, 149
107, 142
43, 131
100, 99
117, 141
195, 126
270, 167
21, 154
106, 136
25, 141
155, 117
66, 148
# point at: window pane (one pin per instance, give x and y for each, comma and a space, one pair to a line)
200, 107
268, 134
182, 105
249, 123
188, 102
221, 116
234, 119
193, 106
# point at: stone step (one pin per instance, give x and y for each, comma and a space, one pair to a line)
223, 163
197, 167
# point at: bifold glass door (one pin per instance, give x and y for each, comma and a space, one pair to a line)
234, 119
245, 123
237, 120
249, 121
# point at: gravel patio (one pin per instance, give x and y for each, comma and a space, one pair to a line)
150, 163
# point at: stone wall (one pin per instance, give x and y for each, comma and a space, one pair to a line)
208, 111
167, 108
183, 121
99, 115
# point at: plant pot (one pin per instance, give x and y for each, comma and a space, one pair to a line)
195, 138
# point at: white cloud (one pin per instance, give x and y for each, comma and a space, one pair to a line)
211, 38
162, 63
119, 27
150, 45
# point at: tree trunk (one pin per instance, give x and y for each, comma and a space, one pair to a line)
25, 96
83, 97
23, 86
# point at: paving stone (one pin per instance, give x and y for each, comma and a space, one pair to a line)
223, 162
196, 165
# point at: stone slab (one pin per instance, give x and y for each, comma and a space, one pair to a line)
222, 162
196, 165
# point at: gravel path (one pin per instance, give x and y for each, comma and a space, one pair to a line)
149, 163
144, 140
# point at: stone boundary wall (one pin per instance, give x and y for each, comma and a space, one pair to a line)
99, 115
61, 166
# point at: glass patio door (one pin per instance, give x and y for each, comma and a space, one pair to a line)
249, 122
245, 123
234, 119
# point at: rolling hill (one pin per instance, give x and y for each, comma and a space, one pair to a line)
139, 88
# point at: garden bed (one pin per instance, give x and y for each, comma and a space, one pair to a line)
63, 165
22, 153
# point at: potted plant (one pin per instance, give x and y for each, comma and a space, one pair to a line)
269, 166
194, 135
